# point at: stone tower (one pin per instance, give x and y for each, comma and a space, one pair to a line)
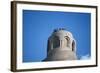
61, 46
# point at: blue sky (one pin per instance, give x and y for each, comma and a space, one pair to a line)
38, 26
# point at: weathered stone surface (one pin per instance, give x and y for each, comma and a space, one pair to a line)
61, 46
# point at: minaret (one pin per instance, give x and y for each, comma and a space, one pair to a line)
61, 46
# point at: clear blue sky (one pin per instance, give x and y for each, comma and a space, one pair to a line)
38, 26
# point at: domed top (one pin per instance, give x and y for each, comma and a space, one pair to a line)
62, 32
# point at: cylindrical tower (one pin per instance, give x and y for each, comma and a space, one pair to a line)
61, 46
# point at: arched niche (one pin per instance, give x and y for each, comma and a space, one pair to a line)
56, 42
73, 45
67, 41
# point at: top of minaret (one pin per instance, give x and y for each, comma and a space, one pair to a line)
62, 32
61, 46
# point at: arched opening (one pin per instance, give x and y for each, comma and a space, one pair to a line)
68, 41
56, 42
73, 45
